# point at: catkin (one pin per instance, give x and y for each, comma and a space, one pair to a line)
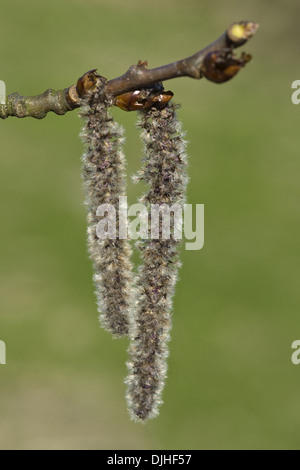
164, 169
104, 176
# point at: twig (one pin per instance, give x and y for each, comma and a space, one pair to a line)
136, 77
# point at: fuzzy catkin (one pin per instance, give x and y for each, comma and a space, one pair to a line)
104, 176
164, 169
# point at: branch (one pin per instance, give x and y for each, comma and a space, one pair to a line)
215, 62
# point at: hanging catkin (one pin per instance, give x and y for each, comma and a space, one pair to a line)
164, 169
103, 172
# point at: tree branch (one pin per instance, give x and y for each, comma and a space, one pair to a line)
215, 62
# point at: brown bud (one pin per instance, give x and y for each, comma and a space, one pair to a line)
141, 99
161, 100
221, 66
87, 82
142, 63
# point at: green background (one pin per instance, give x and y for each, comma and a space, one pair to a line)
231, 383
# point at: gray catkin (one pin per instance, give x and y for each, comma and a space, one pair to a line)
104, 176
164, 169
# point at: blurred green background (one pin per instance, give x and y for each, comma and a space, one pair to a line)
231, 383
